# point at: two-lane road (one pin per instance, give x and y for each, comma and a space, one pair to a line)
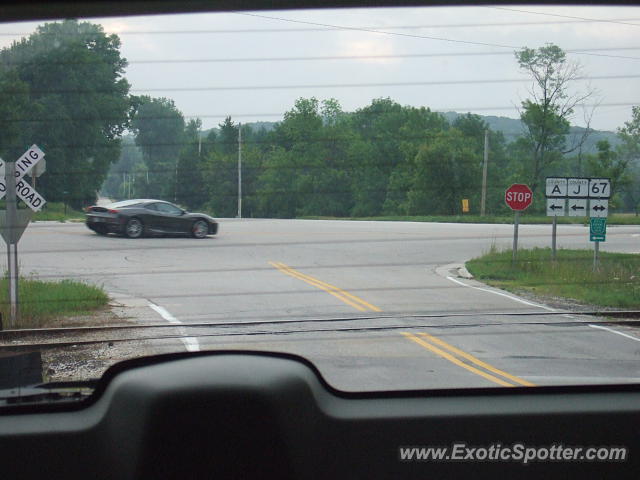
350, 292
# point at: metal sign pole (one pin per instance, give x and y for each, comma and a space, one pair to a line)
553, 238
596, 251
516, 221
12, 245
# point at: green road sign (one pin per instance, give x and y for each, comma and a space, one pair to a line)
598, 229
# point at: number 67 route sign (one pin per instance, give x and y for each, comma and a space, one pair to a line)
24, 191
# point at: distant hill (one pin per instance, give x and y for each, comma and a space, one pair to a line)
512, 128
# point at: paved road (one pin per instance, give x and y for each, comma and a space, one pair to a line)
341, 286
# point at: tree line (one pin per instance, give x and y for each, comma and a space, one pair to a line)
64, 88
384, 159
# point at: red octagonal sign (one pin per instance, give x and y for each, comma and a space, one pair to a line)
518, 196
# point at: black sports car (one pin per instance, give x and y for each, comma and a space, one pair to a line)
136, 218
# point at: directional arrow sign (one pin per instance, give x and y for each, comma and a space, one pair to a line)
577, 207
25, 163
555, 207
598, 208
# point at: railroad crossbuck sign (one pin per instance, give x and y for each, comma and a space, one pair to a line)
24, 191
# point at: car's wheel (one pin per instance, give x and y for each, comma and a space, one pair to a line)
199, 229
134, 228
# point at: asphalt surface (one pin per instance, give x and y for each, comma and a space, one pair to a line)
375, 305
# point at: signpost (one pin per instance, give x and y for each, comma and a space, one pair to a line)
585, 197
518, 197
14, 221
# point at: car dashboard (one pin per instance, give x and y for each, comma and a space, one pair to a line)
265, 415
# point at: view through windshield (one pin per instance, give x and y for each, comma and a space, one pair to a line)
410, 198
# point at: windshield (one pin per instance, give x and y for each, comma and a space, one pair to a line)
410, 198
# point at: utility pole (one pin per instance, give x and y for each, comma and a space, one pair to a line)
239, 170
483, 201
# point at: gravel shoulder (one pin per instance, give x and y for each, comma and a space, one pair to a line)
85, 354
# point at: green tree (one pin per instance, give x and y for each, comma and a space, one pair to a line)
190, 190
630, 152
227, 139
78, 105
609, 164
449, 165
379, 125
301, 175
159, 127
421, 126
547, 114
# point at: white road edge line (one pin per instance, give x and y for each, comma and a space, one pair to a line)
502, 295
190, 343
615, 331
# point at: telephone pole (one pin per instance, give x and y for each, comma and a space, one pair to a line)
483, 201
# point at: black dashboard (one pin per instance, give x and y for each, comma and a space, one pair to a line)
260, 415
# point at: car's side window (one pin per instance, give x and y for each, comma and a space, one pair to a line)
152, 206
169, 209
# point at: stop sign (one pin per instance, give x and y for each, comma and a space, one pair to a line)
518, 196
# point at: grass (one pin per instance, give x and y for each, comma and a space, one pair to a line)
40, 301
615, 219
616, 283
55, 211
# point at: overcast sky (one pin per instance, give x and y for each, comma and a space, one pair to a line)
199, 60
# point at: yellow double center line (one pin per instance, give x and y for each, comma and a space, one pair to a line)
431, 343
473, 364
346, 297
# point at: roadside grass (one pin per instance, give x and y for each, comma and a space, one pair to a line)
616, 283
40, 301
615, 219
55, 211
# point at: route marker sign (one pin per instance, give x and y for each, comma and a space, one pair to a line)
577, 187
597, 229
599, 188
518, 197
556, 187
556, 207
586, 197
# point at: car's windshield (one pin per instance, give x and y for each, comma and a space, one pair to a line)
411, 198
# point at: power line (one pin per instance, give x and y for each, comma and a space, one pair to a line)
333, 29
615, 21
322, 57
383, 32
352, 85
